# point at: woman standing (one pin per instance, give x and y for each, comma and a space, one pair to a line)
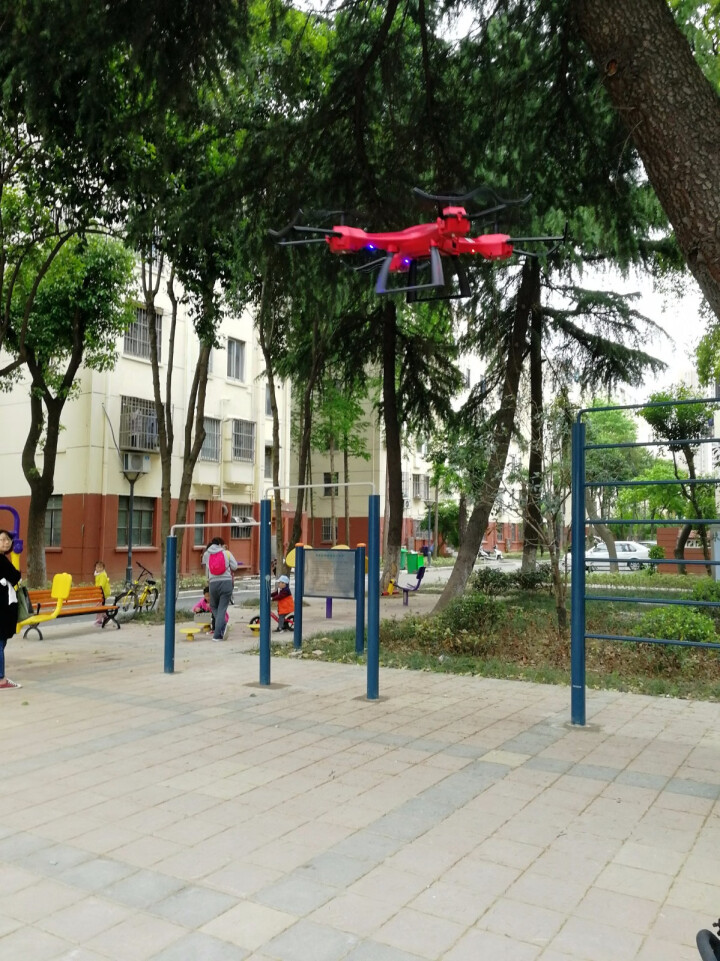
9, 578
220, 566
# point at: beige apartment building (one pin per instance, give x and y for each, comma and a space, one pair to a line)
109, 439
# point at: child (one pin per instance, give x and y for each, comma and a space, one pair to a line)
102, 580
284, 598
203, 607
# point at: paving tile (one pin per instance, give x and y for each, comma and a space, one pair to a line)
476, 944
425, 935
307, 939
201, 947
139, 938
193, 906
595, 941
249, 925
84, 919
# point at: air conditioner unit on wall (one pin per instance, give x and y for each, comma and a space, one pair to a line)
139, 463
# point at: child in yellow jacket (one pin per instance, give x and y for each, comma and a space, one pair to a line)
102, 580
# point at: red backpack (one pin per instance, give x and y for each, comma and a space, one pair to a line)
217, 563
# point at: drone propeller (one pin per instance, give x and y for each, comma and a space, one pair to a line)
462, 200
293, 227
555, 241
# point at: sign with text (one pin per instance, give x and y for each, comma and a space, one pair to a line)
329, 573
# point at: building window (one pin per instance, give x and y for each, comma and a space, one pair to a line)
268, 461
241, 533
421, 487
200, 518
268, 401
53, 521
330, 481
466, 377
236, 359
326, 535
406, 481
212, 445
143, 521
499, 531
137, 336
138, 424
243, 441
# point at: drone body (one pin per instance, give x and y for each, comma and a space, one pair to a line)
437, 244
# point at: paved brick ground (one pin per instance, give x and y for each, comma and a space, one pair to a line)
199, 817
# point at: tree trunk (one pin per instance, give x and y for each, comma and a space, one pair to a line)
393, 446
45, 413
672, 114
603, 531
679, 550
462, 519
533, 519
528, 295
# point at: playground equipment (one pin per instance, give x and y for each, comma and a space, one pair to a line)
578, 628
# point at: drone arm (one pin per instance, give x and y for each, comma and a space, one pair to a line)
280, 234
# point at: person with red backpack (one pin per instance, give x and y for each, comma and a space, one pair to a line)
220, 566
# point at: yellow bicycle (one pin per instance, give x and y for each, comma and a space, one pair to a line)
142, 594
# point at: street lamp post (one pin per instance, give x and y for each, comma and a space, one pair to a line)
131, 477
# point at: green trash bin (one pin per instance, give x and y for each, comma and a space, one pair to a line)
412, 562
403, 558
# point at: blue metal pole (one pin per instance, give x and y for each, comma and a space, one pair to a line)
373, 595
577, 590
265, 521
359, 598
170, 592
299, 592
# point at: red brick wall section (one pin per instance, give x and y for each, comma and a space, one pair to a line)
666, 537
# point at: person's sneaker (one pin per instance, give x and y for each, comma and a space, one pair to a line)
6, 684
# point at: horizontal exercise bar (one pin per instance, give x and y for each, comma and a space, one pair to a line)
650, 640
649, 560
655, 443
654, 403
701, 521
653, 600
649, 483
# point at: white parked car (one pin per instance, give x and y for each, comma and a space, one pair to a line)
630, 556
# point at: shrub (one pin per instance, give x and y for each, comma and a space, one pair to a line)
533, 580
656, 553
706, 589
677, 624
473, 613
492, 582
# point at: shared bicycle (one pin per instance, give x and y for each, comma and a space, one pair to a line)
142, 595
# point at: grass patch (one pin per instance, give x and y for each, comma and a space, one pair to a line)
517, 639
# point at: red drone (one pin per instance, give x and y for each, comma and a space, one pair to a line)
405, 252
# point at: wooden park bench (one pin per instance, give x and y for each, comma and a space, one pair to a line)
63, 600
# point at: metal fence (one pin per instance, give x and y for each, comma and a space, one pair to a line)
579, 597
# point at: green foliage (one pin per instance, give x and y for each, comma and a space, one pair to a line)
677, 624
656, 553
493, 583
706, 589
472, 613
531, 580
674, 423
